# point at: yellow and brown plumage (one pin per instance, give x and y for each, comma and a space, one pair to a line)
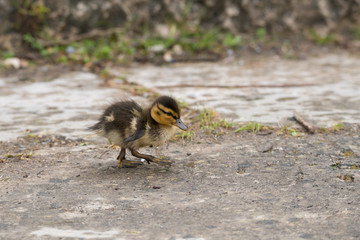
129, 126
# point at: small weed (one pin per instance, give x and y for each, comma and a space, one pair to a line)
232, 41
293, 132
323, 129
339, 165
36, 45
337, 127
185, 136
349, 154
225, 124
321, 40
210, 122
62, 59
336, 165
20, 156
7, 55
250, 126
103, 52
355, 166
288, 130
125, 47
207, 117
156, 44
31, 135
139, 90
260, 33
29, 155
206, 40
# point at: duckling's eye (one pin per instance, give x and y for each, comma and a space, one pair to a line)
170, 115
158, 113
167, 113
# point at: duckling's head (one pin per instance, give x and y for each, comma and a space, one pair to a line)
166, 111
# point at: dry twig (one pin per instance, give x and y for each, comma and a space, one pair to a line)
310, 128
236, 86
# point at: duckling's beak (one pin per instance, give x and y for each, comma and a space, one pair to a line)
180, 124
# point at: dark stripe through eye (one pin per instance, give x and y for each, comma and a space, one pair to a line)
167, 113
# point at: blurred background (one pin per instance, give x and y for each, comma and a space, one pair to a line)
142, 30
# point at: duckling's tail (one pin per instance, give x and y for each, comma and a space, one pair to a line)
97, 127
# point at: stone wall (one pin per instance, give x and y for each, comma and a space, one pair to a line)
70, 17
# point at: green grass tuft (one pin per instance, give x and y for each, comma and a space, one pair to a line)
250, 126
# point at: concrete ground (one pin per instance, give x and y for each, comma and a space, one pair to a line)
58, 181
324, 87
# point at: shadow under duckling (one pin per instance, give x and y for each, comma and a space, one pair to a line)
129, 126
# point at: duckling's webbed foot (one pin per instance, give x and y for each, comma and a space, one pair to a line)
149, 158
123, 163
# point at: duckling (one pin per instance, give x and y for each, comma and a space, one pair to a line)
129, 126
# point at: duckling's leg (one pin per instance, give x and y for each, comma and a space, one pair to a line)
150, 158
123, 163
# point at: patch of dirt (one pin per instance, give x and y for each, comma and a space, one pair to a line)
24, 146
222, 188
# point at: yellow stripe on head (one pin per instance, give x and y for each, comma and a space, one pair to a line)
168, 111
163, 115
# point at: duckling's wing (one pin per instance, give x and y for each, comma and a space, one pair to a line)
138, 134
139, 130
